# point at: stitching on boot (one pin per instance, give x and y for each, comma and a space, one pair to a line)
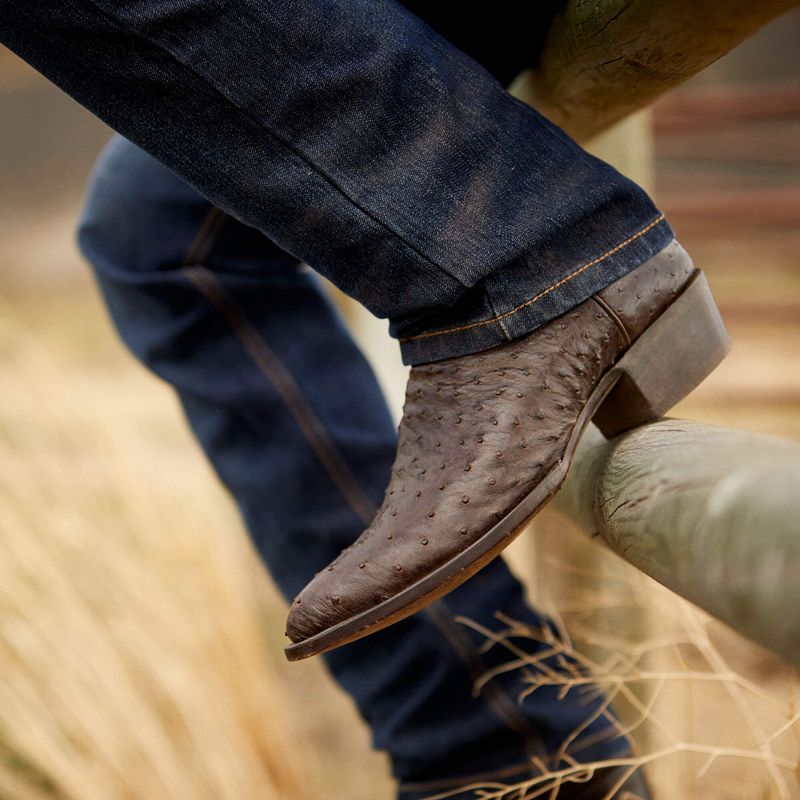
616, 320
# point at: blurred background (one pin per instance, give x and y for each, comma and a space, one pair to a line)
140, 639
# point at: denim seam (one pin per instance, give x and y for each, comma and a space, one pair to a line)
129, 27
578, 271
206, 237
503, 706
274, 370
264, 357
497, 314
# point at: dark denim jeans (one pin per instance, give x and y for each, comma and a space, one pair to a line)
290, 415
363, 143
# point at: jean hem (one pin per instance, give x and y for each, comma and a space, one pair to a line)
526, 311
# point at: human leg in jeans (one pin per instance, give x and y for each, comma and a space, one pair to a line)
504, 256
290, 416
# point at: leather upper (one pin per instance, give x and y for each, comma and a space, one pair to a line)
478, 433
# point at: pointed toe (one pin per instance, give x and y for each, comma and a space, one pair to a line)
300, 624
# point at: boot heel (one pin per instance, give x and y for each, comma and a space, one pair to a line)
666, 362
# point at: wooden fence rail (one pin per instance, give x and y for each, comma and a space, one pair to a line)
709, 512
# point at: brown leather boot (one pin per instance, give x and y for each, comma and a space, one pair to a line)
486, 439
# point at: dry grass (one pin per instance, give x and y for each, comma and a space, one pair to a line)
707, 714
131, 644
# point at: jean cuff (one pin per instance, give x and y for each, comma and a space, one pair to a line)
509, 304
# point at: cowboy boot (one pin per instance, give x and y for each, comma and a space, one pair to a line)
487, 438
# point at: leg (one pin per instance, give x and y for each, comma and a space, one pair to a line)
364, 144
291, 418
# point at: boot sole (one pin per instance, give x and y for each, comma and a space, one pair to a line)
670, 359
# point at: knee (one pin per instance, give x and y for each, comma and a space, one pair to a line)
137, 215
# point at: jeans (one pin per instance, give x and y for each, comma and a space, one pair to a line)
292, 419
363, 143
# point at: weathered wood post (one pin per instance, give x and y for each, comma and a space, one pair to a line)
711, 513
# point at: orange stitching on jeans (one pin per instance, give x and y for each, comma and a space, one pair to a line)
578, 271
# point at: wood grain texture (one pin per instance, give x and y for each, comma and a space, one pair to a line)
604, 59
709, 512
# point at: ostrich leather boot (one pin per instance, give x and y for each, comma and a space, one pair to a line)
486, 439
